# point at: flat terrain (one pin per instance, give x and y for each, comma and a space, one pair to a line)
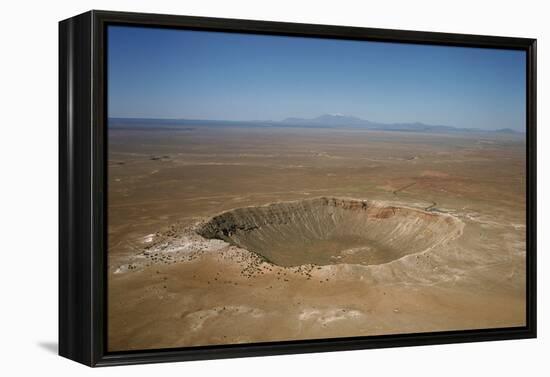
169, 286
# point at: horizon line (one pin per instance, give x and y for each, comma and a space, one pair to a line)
318, 116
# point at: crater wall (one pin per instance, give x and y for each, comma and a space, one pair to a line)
331, 230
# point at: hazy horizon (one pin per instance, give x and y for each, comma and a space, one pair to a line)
180, 74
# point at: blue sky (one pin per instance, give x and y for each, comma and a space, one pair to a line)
165, 73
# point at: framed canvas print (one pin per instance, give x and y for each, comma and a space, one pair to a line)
241, 188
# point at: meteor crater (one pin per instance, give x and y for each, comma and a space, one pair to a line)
327, 231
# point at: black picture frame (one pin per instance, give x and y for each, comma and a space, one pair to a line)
82, 188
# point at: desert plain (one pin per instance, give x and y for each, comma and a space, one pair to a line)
229, 234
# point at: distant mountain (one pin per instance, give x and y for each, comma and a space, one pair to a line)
339, 120
329, 120
322, 121
506, 131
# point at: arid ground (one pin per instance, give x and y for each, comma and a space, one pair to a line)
221, 235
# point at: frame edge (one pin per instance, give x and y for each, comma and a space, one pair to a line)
75, 252
81, 289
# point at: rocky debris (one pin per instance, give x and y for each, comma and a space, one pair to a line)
160, 158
